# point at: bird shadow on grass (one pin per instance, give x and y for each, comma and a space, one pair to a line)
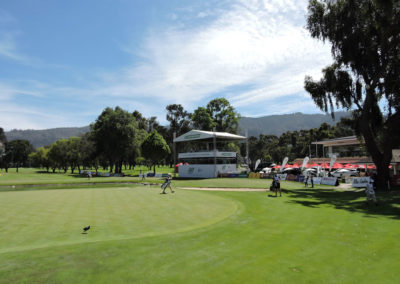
352, 201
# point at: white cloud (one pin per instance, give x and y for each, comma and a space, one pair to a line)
8, 47
261, 44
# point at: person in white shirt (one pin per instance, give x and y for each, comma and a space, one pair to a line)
370, 192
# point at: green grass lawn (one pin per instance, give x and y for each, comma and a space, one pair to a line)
318, 235
33, 176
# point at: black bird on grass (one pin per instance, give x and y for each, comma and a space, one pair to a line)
85, 229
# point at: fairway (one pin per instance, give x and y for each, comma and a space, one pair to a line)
138, 235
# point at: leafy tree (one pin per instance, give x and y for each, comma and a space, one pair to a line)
88, 153
3, 138
202, 119
3, 141
58, 155
114, 134
365, 38
141, 120
74, 154
180, 123
40, 158
178, 118
224, 115
294, 144
17, 152
219, 114
155, 148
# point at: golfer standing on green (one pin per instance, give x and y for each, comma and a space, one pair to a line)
167, 182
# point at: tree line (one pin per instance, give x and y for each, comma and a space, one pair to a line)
119, 138
294, 144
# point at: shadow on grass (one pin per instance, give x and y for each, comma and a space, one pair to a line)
352, 201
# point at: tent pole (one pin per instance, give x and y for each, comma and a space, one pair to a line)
215, 152
247, 147
174, 150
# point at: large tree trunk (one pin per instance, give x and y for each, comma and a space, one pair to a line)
381, 158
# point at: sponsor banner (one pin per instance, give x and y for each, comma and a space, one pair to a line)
228, 168
291, 177
257, 163
360, 181
282, 176
328, 180
196, 171
396, 155
254, 175
300, 178
205, 171
317, 180
209, 154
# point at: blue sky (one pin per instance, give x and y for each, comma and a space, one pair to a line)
63, 62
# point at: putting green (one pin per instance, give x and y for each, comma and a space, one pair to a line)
46, 218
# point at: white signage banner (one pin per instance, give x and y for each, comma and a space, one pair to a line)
284, 163
196, 171
205, 171
333, 159
305, 161
396, 155
317, 180
282, 176
206, 154
328, 180
360, 181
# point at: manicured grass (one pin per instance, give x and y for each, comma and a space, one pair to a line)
307, 236
39, 176
56, 217
32, 176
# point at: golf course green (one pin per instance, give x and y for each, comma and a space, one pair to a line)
321, 235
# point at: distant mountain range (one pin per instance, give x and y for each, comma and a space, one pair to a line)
278, 124
39, 138
270, 124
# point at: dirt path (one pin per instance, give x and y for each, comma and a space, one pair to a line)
345, 186
224, 189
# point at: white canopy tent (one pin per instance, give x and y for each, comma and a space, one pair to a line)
201, 134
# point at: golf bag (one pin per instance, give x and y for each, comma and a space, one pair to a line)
165, 184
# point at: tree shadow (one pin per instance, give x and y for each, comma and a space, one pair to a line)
48, 172
352, 201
